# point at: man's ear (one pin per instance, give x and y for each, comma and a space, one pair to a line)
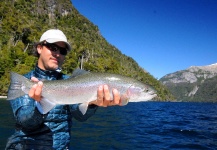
39, 49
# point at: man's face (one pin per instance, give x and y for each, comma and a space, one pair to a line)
51, 56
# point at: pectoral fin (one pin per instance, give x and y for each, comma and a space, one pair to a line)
124, 99
46, 105
83, 107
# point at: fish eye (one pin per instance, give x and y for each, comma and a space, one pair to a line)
145, 90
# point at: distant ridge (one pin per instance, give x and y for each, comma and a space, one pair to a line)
196, 83
212, 67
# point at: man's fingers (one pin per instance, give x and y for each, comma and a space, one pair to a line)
35, 91
107, 99
116, 97
38, 91
32, 91
104, 98
100, 96
106, 92
34, 79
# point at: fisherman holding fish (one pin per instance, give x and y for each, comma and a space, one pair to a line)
36, 129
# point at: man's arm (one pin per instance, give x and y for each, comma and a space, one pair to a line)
25, 112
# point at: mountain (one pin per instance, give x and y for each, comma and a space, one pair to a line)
22, 22
197, 83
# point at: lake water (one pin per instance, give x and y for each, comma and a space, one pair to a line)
145, 125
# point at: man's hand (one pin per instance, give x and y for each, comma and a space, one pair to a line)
35, 91
104, 99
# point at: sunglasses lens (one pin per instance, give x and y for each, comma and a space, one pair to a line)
63, 51
54, 48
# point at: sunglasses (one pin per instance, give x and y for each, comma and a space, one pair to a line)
55, 48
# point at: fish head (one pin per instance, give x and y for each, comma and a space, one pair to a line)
140, 92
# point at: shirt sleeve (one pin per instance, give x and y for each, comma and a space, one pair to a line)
76, 113
26, 113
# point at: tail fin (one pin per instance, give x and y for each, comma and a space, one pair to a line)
16, 85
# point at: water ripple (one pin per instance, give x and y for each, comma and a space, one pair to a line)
146, 125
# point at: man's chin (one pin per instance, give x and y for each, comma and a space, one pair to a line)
53, 68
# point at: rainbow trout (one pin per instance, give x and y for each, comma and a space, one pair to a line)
81, 88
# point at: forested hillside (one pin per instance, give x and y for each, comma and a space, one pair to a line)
23, 21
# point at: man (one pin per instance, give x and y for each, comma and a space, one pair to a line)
35, 130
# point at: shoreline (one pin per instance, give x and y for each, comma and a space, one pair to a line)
3, 96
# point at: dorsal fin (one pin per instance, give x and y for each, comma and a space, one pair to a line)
78, 72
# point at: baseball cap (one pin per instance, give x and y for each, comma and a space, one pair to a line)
55, 35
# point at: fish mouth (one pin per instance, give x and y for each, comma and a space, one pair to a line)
152, 93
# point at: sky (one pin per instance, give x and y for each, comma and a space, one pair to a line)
162, 36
